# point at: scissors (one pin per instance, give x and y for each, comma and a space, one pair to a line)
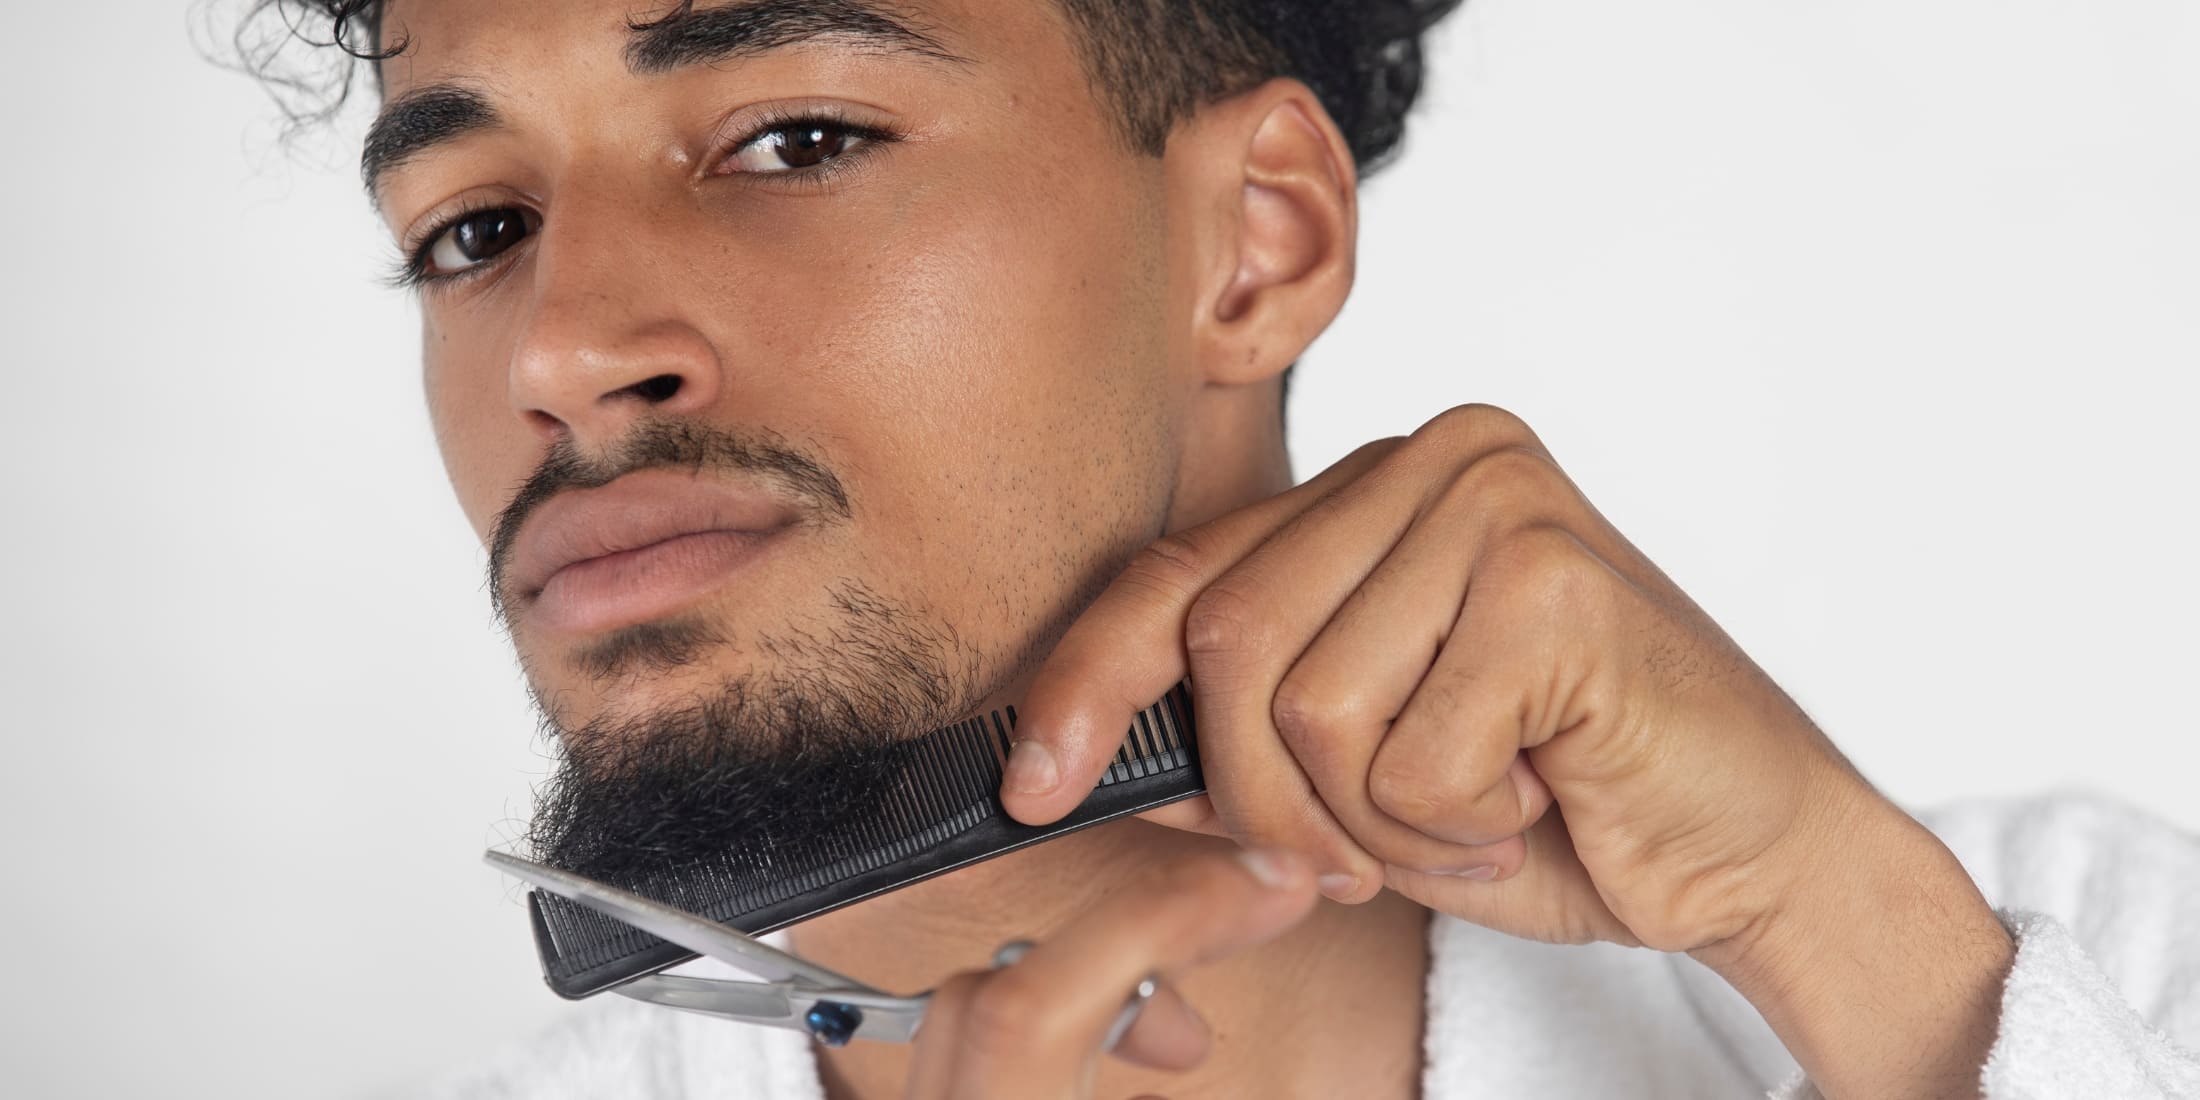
799, 995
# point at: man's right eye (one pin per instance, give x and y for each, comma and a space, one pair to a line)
472, 239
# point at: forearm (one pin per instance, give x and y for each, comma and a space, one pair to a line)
1882, 970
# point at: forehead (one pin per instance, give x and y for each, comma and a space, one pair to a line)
510, 41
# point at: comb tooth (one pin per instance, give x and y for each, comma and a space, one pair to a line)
1171, 729
987, 765
839, 847
946, 765
924, 796
968, 748
947, 774
1142, 734
972, 775
900, 814
1172, 716
1127, 753
954, 749
1162, 733
994, 738
1001, 730
928, 800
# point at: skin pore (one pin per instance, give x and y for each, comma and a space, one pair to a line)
1020, 349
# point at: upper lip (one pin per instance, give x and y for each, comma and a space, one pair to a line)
637, 510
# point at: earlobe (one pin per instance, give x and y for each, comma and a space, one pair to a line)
1284, 267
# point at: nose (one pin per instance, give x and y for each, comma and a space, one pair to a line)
604, 344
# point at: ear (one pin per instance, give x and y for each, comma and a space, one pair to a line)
1269, 187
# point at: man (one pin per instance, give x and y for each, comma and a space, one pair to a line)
821, 372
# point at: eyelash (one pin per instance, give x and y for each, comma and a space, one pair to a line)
410, 271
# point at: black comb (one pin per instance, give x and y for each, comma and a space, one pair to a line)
943, 812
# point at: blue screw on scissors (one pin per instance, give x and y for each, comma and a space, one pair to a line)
799, 994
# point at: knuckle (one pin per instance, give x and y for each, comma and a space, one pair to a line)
1440, 805
1174, 563
1492, 815
1509, 480
1560, 572
1372, 451
1223, 620
1476, 423
1300, 713
1414, 795
1311, 720
1517, 464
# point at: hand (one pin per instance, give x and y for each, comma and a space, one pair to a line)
1436, 667
1400, 665
1033, 1030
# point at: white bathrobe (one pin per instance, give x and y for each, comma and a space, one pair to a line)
2103, 1002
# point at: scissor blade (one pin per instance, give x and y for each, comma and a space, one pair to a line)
704, 937
753, 1002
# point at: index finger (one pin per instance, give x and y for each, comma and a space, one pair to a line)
1127, 649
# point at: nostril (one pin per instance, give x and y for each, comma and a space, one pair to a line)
656, 390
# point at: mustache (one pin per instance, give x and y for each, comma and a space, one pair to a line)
659, 444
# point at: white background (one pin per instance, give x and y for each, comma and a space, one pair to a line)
1875, 322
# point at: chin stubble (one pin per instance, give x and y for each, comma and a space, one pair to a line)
759, 760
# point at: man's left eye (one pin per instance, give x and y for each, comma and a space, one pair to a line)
795, 146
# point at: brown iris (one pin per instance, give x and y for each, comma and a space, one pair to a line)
482, 235
806, 146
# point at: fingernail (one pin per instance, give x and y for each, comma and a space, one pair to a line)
1339, 885
1266, 866
1031, 768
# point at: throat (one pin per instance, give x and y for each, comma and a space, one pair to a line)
1333, 1007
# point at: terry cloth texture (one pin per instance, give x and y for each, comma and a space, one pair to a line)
2103, 1002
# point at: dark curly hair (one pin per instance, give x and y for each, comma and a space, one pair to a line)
1154, 61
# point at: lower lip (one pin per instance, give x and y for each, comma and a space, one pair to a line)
647, 583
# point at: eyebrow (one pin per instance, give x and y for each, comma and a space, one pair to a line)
418, 121
436, 114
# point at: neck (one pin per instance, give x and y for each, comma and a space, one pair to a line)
1331, 1008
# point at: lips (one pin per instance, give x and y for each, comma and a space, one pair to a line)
643, 547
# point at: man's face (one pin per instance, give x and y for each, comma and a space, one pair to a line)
836, 366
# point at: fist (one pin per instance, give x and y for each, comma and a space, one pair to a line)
1436, 667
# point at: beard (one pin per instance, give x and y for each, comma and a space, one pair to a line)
764, 761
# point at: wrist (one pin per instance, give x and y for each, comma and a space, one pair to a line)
1879, 964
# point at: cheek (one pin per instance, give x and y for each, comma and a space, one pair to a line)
996, 366
467, 409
